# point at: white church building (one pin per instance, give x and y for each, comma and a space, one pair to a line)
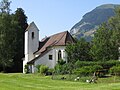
47, 51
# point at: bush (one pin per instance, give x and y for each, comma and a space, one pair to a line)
105, 65
83, 71
109, 64
87, 70
49, 72
43, 69
99, 71
38, 68
115, 70
26, 69
61, 62
62, 69
79, 64
96, 68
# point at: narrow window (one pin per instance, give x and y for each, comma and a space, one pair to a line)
63, 54
50, 57
59, 55
32, 35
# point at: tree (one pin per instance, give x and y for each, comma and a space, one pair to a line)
70, 49
82, 50
114, 24
12, 28
21, 18
7, 40
101, 49
107, 40
5, 6
78, 51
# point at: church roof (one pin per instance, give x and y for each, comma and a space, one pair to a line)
59, 39
55, 40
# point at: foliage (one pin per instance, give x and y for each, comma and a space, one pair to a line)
107, 40
70, 49
97, 68
78, 51
38, 68
83, 71
101, 67
61, 62
115, 70
62, 69
21, 19
105, 65
26, 69
109, 64
12, 27
114, 24
43, 69
7, 40
87, 70
101, 49
79, 64
5, 6
51, 70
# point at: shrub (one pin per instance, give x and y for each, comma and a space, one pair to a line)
38, 68
43, 69
105, 65
62, 69
65, 69
49, 72
115, 70
58, 69
83, 71
26, 69
109, 64
79, 64
96, 68
61, 62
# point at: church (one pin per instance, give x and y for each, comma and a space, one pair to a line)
45, 52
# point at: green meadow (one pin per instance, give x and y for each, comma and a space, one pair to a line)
37, 82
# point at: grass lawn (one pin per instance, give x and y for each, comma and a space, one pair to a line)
36, 82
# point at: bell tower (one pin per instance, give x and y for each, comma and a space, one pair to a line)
31, 43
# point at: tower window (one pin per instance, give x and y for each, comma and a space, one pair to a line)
33, 35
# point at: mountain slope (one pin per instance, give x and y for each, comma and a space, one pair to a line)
91, 20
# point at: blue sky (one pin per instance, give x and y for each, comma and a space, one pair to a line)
53, 16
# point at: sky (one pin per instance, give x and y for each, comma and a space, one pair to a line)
54, 16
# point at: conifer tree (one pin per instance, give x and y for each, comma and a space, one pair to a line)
21, 18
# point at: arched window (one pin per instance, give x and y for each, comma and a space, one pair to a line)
59, 55
33, 35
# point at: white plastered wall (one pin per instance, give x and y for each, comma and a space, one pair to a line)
31, 44
44, 60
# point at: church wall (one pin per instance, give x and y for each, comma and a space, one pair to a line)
44, 60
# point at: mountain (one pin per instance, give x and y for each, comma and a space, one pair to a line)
87, 26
